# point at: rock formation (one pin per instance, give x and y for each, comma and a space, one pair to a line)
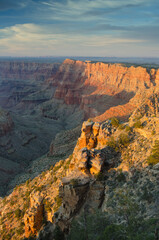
33, 218
6, 123
91, 84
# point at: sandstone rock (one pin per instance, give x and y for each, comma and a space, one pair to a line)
149, 106
73, 196
96, 164
87, 159
33, 218
86, 84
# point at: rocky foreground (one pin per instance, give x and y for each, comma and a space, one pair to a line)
111, 177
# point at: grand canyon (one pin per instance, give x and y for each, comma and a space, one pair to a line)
77, 142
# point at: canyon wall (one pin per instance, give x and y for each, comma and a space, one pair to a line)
102, 89
27, 70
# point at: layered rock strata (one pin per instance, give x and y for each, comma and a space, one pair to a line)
91, 84
27, 70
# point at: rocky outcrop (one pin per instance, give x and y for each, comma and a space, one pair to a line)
79, 187
94, 135
73, 196
149, 107
87, 159
33, 218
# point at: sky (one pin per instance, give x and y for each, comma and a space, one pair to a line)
106, 28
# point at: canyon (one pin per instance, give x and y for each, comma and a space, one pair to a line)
107, 174
65, 157
40, 100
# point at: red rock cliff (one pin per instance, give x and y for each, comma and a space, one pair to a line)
99, 87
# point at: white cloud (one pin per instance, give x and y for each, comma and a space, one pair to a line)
31, 39
73, 10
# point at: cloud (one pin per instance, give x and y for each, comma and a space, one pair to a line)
73, 9
108, 27
149, 33
31, 39
9, 4
39, 27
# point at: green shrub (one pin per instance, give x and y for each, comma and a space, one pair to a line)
58, 234
39, 188
154, 157
9, 215
128, 129
58, 202
71, 157
12, 202
98, 226
89, 120
99, 176
7, 237
121, 177
121, 127
147, 195
74, 182
20, 230
27, 182
55, 178
18, 213
138, 124
67, 164
138, 117
58, 166
26, 205
113, 231
123, 140
88, 226
4, 200
47, 206
114, 122
112, 143
27, 194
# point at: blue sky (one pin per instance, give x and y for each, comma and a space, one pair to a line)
120, 28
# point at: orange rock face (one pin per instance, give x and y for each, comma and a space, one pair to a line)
33, 218
103, 90
86, 157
